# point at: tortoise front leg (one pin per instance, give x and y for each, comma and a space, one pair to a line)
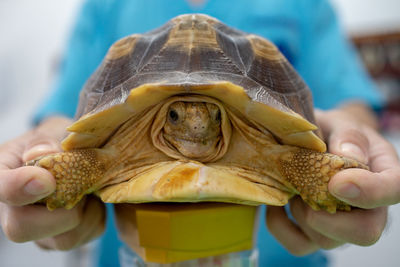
309, 172
77, 173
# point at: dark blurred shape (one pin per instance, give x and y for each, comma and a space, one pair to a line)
381, 55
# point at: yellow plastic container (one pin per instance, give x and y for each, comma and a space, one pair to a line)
175, 232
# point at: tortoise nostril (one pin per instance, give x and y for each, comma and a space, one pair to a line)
198, 127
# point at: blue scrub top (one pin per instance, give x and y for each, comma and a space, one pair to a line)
306, 31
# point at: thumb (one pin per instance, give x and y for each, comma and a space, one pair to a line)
25, 185
352, 143
349, 142
40, 145
28, 184
45, 139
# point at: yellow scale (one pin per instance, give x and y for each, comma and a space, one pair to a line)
170, 233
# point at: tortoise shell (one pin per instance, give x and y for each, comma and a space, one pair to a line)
195, 54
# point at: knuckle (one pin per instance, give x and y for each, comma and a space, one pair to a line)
7, 197
74, 219
296, 251
350, 134
43, 244
370, 237
326, 243
373, 227
65, 243
13, 235
13, 228
300, 250
13, 186
9, 188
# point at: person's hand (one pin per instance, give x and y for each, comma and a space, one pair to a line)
349, 132
23, 221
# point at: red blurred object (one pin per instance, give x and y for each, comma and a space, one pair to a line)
381, 56
380, 53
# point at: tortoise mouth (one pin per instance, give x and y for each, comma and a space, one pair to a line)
199, 140
193, 147
207, 146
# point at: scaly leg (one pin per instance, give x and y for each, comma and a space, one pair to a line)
308, 172
77, 173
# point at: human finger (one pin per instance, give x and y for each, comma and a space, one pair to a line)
349, 142
25, 185
91, 226
364, 189
288, 233
359, 226
16, 152
361, 188
46, 138
33, 222
300, 211
382, 154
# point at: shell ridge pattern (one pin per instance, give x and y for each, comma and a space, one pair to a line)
260, 93
102, 94
283, 67
230, 61
189, 57
227, 58
239, 56
242, 69
197, 40
149, 39
140, 66
294, 81
191, 41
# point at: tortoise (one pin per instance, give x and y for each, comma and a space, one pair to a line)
195, 111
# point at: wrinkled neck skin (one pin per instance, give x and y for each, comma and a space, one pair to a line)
193, 128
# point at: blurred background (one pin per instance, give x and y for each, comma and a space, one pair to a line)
32, 38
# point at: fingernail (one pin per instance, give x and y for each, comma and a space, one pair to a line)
37, 151
36, 187
347, 190
353, 151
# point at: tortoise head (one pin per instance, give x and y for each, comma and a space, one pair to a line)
193, 128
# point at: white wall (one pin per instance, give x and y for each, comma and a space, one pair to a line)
32, 34
366, 16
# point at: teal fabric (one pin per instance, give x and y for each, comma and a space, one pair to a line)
306, 31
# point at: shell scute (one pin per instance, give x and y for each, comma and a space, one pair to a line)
196, 54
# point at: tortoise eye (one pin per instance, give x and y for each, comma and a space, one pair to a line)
173, 115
